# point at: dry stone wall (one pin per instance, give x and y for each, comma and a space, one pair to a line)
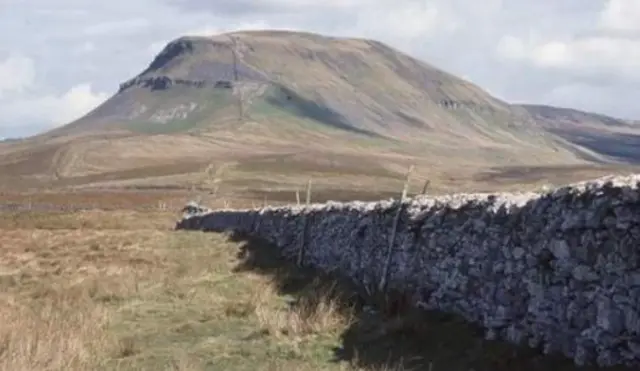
558, 270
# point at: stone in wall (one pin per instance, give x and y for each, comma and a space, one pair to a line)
558, 270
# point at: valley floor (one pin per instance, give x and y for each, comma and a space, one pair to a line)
121, 290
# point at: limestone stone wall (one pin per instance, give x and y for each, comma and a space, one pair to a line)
560, 270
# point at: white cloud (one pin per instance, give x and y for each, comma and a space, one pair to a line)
53, 110
17, 73
126, 26
209, 30
553, 54
511, 47
623, 15
586, 55
404, 20
84, 48
76, 102
67, 13
305, 4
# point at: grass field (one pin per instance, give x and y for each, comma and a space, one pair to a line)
121, 290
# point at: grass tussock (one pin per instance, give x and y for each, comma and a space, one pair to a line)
308, 315
60, 333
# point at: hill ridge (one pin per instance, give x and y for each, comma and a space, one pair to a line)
241, 96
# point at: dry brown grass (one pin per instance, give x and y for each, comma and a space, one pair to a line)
62, 333
320, 314
121, 290
107, 199
59, 285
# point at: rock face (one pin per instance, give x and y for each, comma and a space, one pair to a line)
559, 270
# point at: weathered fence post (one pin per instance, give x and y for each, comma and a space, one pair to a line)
305, 224
308, 201
394, 228
425, 187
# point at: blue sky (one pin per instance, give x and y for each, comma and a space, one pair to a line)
61, 58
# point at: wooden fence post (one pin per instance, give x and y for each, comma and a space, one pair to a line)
394, 228
305, 225
308, 200
425, 187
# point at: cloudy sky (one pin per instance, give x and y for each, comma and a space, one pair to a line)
61, 58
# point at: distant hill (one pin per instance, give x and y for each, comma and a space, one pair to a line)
274, 107
616, 139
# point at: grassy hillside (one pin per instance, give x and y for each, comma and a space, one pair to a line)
236, 99
615, 139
